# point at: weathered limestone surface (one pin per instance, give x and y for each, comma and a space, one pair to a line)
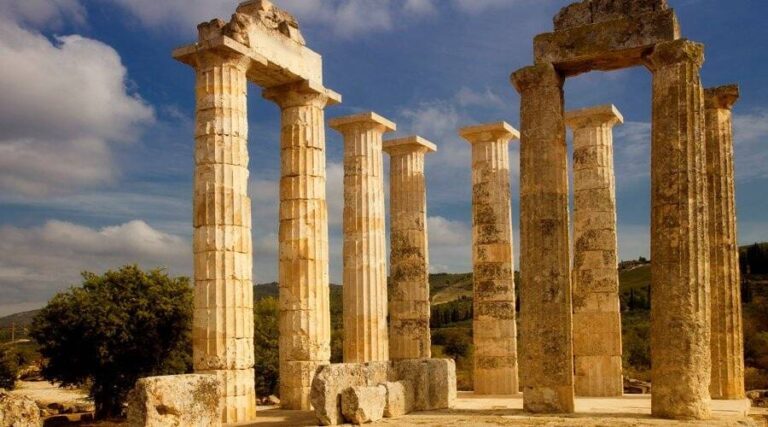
365, 264
305, 325
363, 404
546, 354
175, 400
495, 331
223, 317
680, 300
18, 411
596, 312
399, 398
605, 34
727, 332
430, 383
588, 12
409, 336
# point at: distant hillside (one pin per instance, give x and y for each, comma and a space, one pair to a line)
21, 320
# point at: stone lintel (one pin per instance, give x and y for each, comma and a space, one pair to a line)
273, 61
595, 11
368, 118
279, 94
721, 97
593, 116
606, 46
408, 144
489, 132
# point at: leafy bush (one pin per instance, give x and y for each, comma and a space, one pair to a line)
9, 368
114, 329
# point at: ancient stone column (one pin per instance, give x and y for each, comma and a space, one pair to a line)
409, 310
680, 314
305, 324
494, 328
596, 311
365, 264
546, 354
222, 338
727, 333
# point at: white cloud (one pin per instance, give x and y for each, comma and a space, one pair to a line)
632, 153
67, 103
48, 258
420, 7
751, 145
450, 245
43, 13
479, 6
344, 18
467, 97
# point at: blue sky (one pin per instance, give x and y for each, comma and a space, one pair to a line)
96, 148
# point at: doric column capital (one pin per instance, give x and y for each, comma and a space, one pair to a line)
303, 93
539, 75
593, 117
362, 122
407, 145
722, 97
491, 132
214, 53
675, 52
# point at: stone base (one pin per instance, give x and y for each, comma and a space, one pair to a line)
175, 400
430, 383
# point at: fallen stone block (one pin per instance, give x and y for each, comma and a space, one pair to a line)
427, 384
433, 381
331, 380
175, 400
363, 404
18, 411
399, 399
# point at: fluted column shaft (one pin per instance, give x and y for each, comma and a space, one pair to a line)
305, 324
546, 362
223, 317
409, 307
596, 311
727, 332
364, 264
493, 325
680, 314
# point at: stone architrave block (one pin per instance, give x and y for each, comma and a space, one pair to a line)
175, 400
363, 404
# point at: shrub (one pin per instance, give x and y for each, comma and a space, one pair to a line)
9, 368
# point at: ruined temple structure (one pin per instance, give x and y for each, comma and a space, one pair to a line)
260, 44
570, 321
607, 35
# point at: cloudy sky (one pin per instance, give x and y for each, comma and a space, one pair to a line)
96, 118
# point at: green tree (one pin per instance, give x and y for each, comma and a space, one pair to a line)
114, 329
265, 343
